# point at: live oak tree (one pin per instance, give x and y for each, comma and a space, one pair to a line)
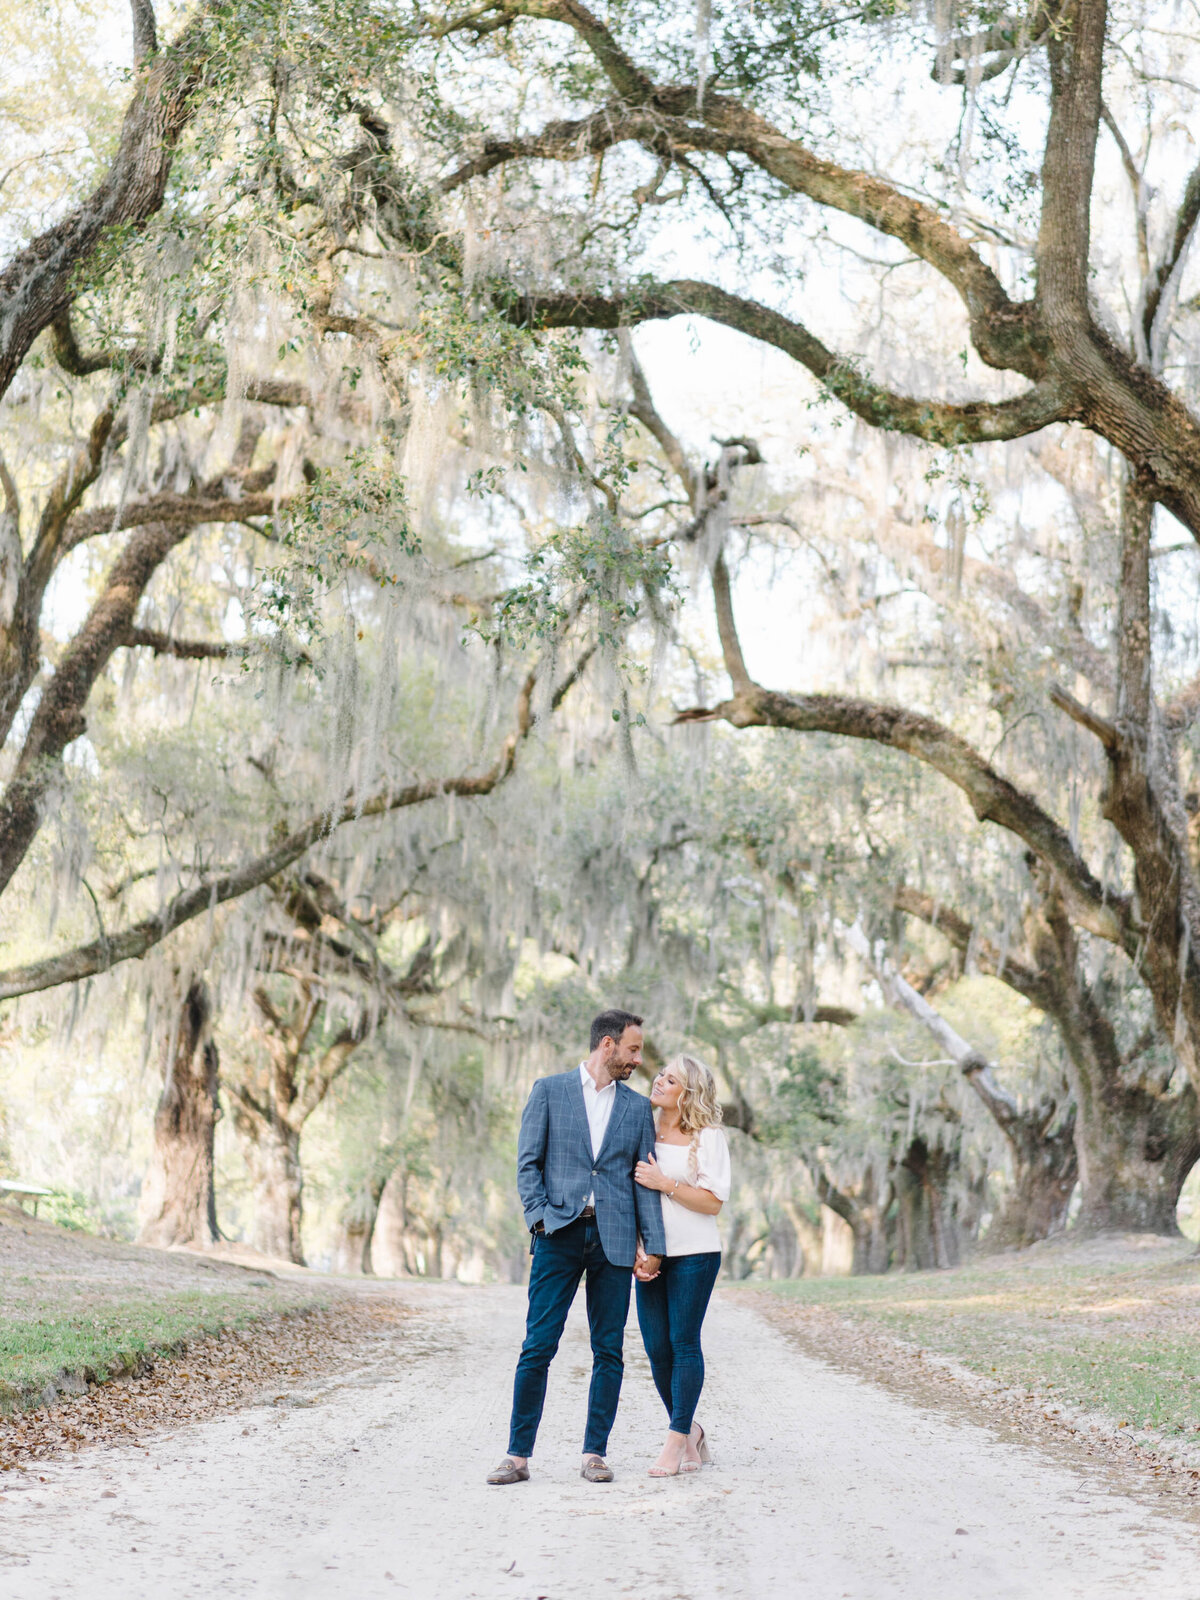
167, 419
1039, 275
1076, 898
404, 228
163, 368
1045, 1165
1135, 1128
330, 977
172, 829
303, 1058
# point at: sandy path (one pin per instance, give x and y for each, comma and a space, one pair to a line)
372, 1486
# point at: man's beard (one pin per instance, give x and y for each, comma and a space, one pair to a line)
621, 1070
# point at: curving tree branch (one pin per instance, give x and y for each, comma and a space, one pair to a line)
164, 644
939, 422
174, 511
1078, 371
108, 951
618, 66
1011, 969
992, 797
59, 717
40, 282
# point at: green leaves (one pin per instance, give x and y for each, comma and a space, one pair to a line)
591, 565
352, 520
808, 1103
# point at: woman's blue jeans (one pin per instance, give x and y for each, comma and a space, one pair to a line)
670, 1314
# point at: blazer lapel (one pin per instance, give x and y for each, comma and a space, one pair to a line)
620, 1105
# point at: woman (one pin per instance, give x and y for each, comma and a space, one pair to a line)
689, 1166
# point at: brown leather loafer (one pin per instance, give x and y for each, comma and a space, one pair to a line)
596, 1470
509, 1472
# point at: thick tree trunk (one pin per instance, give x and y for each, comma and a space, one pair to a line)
1136, 1142
1133, 1159
361, 1215
784, 1255
837, 1245
929, 1232
1143, 801
271, 1111
394, 1240
874, 1243
274, 1160
1045, 1173
808, 1247
357, 1232
1045, 1165
867, 1208
179, 1204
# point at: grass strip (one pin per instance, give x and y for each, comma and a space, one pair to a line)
1117, 1337
44, 1352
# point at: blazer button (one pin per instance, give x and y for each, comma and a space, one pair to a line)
594, 1171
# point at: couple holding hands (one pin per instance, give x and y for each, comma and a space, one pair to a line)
613, 1184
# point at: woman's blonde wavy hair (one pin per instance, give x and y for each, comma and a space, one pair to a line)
699, 1107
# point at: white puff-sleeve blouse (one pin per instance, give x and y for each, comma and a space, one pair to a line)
692, 1233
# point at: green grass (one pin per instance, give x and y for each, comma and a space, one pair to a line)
103, 1341
90, 1308
1119, 1336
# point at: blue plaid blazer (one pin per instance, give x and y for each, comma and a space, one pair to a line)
556, 1172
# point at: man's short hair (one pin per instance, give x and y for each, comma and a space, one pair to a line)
611, 1025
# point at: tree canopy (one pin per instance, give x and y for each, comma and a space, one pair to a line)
377, 618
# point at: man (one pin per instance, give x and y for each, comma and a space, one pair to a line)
582, 1134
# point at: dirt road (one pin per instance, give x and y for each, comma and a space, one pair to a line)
372, 1486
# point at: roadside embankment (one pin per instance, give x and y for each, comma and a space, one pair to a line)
103, 1342
76, 1310
1100, 1338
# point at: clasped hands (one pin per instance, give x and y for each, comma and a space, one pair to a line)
646, 1268
648, 1174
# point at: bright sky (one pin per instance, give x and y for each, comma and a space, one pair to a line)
709, 380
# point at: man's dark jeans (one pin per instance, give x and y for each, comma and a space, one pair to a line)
670, 1313
560, 1259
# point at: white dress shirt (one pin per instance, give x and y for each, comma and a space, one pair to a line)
598, 1104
